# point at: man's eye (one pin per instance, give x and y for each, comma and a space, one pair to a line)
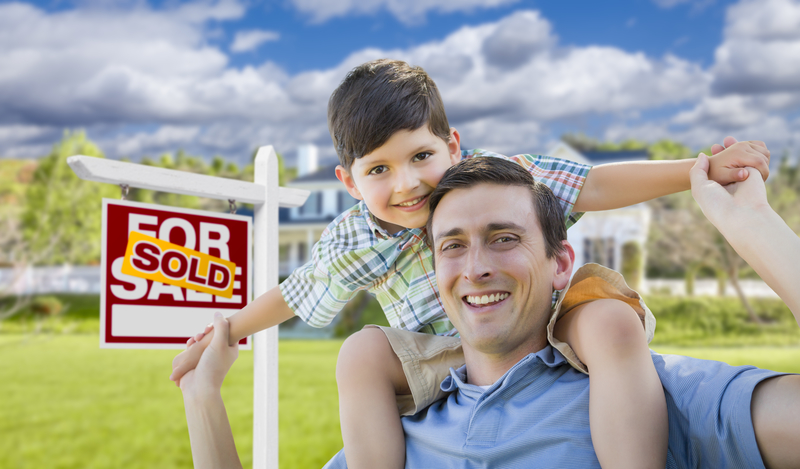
504, 239
450, 246
422, 156
378, 170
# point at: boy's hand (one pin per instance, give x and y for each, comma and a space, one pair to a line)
188, 359
728, 165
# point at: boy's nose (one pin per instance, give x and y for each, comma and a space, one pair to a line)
407, 181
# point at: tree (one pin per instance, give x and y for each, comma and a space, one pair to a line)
61, 219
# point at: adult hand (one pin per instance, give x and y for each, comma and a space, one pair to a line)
726, 205
215, 362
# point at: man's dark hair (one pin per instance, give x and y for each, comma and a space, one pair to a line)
491, 170
377, 99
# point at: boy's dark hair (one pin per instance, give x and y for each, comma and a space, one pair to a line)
491, 170
378, 98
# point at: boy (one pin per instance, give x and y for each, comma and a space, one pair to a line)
394, 143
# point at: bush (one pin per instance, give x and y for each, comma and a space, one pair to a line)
715, 321
47, 306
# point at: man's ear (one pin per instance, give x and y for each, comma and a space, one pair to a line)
454, 146
565, 259
344, 176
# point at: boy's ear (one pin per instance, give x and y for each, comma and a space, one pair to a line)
565, 260
454, 146
344, 176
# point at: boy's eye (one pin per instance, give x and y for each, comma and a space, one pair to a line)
378, 170
422, 156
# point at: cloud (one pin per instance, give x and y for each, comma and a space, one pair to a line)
517, 38
250, 40
406, 11
154, 69
697, 5
761, 48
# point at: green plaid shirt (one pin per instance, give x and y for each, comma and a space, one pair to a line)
355, 253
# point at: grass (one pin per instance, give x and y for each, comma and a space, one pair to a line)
68, 404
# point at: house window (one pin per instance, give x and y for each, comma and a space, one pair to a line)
312, 205
599, 251
346, 201
301, 252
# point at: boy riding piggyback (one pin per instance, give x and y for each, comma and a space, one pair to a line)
394, 143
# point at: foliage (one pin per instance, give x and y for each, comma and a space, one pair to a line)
62, 215
714, 321
47, 306
584, 143
362, 310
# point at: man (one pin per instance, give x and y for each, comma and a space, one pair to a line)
516, 403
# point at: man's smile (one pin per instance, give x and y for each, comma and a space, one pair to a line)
486, 299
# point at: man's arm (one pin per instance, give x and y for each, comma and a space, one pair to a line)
268, 310
209, 429
617, 185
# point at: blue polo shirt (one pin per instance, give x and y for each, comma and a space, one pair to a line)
537, 415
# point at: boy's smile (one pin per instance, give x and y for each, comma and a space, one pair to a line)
396, 179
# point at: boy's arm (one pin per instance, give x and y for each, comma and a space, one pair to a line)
269, 309
617, 185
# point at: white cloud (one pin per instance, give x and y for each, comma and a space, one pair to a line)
250, 40
407, 11
144, 67
761, 49
696, 4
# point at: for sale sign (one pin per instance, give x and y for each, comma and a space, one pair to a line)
166, 270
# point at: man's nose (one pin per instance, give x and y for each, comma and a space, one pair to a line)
478, 267
407, 181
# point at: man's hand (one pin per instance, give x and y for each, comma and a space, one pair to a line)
727, 164
214, 362
730, 203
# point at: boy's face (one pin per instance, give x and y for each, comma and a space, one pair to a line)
396, 179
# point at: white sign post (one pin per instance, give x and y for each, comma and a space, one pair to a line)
267, 197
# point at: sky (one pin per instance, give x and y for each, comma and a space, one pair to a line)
222, 77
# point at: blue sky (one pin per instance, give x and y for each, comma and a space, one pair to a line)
225, 76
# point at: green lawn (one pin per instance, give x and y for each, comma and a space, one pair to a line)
68, 404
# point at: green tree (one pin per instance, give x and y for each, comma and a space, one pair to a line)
62, 215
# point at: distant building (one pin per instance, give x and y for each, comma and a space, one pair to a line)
598, 237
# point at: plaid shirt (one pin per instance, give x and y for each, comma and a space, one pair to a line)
355, 253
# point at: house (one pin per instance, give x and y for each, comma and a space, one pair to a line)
599, 237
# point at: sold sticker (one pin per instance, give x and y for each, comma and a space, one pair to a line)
161, 261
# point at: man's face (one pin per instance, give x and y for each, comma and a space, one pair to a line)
396, 179
494, 278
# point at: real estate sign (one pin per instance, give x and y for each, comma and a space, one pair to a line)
166, 270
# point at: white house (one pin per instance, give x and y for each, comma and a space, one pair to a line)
598, 237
